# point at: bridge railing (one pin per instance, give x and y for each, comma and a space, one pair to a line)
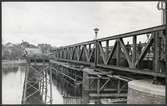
124, 52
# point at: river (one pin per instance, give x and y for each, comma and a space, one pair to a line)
12, 86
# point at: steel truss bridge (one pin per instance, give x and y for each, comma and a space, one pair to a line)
101, 69
110, 57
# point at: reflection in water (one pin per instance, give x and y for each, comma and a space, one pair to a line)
57, 97
9, 70
71, 92
12, 86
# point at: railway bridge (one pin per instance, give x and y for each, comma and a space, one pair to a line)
104, 69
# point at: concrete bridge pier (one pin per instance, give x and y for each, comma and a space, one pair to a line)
144, 92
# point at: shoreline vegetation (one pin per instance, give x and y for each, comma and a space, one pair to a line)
12, 63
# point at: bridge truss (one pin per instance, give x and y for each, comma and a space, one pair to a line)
114, 52
102, 68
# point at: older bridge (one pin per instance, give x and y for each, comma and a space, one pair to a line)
99, 70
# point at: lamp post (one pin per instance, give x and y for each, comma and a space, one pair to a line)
161, 7
96, 31
96, 60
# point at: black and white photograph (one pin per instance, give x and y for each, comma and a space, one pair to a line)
80, 52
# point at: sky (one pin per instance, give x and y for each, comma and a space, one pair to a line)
66, 23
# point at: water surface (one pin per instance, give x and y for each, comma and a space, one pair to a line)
12, 86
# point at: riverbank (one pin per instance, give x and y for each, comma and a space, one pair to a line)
12, 63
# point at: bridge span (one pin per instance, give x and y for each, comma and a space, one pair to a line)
146, 58
104, 69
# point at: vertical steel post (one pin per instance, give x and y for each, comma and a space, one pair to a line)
89, 48
134, 51
118, 53
107, 48
95, 53
46, 86
42, 84
98, 90
118, 87
156, 54
157, 51
50, 73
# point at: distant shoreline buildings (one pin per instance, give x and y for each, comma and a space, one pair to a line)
12, 51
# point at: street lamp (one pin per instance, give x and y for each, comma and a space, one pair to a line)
96, 59
161, 7
96, 31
